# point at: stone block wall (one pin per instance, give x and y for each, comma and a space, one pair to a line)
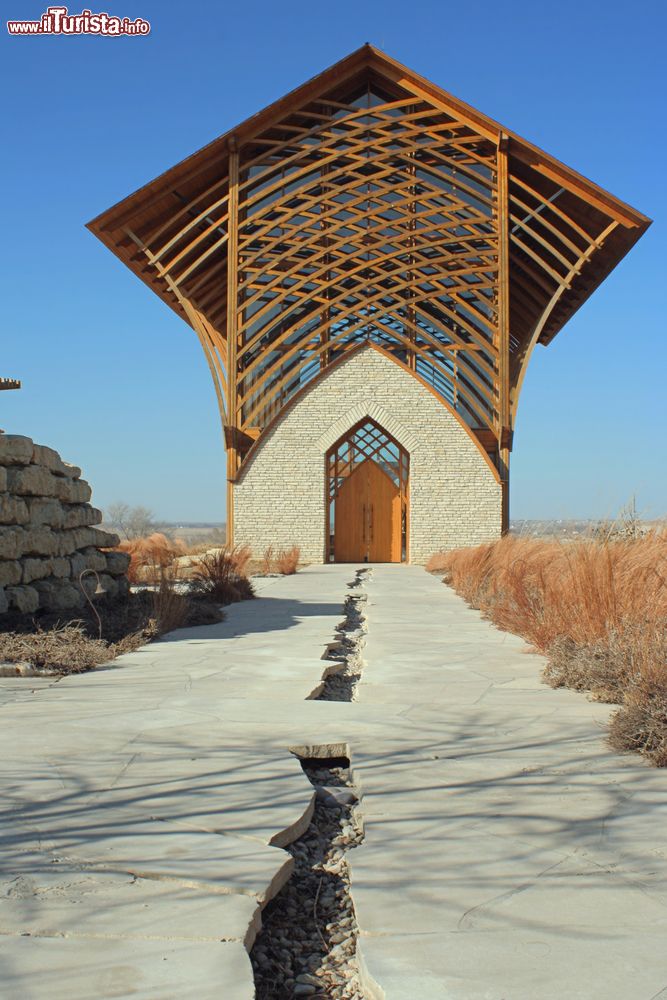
47, 532
280, 498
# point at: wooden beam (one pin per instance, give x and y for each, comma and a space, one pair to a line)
240, 441
232, 332
488, 437
503, 323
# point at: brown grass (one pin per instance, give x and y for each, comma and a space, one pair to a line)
597, 608
641, 723
287, 560
240, 556
66, 649
50, 645
170, 608
220, 575
150, 556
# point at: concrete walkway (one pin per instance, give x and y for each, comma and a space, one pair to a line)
509, 855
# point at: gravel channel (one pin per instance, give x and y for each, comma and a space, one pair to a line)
308, 942
341, 682
307, 945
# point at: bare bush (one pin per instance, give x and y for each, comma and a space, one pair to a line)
49, 645
268, 560
641, 722
62, 650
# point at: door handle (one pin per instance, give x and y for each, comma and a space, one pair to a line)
372, 519
363, 522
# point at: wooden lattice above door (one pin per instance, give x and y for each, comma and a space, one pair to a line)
368, 496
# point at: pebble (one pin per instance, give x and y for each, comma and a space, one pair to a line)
307, 944
290, 957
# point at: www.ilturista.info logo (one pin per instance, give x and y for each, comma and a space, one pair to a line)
57, 21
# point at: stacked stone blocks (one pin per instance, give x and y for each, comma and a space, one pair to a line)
47, 532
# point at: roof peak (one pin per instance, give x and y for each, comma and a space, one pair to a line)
369, 55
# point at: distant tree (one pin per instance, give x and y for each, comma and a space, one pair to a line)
140, 521
116, 516
130, 522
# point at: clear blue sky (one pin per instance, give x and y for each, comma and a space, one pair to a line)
118, 384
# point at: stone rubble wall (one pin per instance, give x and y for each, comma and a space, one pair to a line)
47, 533
280, 498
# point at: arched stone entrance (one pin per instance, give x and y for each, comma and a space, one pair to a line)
282, 495
368, 496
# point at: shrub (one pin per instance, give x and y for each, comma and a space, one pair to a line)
596, 607
65, 649
641, 722
267, 560
170, 608
437, 563
287, 561
220, 576
49, 645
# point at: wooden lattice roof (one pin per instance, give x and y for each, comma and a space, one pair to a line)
369, 203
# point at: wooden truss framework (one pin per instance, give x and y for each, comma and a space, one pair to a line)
367, 440
371, 206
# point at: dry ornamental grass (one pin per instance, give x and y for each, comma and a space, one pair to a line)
221, 575
597, 608
151, 556
287, 560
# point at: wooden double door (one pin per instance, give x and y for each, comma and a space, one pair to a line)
368, 517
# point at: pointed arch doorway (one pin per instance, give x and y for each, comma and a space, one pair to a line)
368, 496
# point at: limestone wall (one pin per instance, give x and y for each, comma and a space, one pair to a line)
47, 533
280, 499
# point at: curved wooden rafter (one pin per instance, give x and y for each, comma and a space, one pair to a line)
584, 257
357, 299
253, 450
320, 250
369, 206
267, 396
209, 340
394, 215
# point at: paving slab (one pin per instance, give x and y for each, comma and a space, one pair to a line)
59, 900
63, 968
522, 856
508, 853
521, 964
